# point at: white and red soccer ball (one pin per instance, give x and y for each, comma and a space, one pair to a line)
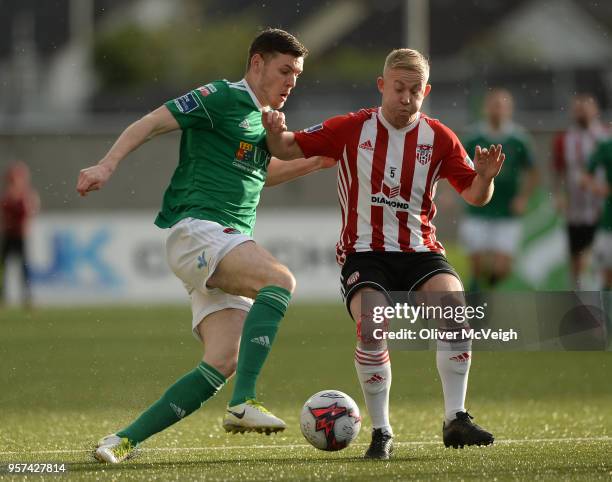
330, 420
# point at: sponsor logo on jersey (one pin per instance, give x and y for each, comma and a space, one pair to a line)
207, 89
352, 278
367, 145
316, 128
244, 124
251, 158
231, 231
187, 103
423, 153
393, 204
391, 192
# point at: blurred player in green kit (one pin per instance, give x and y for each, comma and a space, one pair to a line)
491, 234
239, 291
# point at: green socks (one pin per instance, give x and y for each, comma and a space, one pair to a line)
258, 334
181, 399
192, 390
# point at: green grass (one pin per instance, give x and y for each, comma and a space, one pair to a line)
70, 376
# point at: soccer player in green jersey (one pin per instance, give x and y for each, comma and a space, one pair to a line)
602, 159
492, 233
209, 208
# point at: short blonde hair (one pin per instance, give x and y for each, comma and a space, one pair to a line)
408, 59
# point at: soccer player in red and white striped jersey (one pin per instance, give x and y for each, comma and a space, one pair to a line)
582, 208
390, 160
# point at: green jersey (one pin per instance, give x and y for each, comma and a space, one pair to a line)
519, 157
223, 159
602, 157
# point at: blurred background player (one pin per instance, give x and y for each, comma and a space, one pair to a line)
391, 158
239, 291
492, 233
19, 202
602, 158
580, 205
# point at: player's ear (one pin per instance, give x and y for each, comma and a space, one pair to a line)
427, 90
257, 62
380, 83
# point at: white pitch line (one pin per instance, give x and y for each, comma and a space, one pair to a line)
300, 446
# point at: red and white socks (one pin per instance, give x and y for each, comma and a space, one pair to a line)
374, 374
453, 361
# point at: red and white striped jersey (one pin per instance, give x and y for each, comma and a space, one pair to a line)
387, 178
571, 152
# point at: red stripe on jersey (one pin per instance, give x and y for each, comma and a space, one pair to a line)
427, 231
378, 172
410, 143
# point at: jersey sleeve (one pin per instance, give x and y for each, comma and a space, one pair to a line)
326, 139
201, 108
457, 167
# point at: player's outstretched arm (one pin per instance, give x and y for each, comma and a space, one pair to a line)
282, 171
281, 142
487, 164
155, 123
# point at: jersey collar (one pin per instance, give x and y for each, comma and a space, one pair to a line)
252, 94
403, 130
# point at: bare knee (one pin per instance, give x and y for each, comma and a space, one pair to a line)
280, 276
225, 365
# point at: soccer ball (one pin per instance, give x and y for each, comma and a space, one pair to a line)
330, 420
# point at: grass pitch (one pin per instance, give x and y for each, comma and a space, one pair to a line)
70, 376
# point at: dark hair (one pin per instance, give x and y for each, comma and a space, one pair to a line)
274, 40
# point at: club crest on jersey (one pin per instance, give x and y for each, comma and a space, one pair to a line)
423, 153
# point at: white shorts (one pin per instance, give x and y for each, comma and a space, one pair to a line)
194, 249
498, 235
602, 249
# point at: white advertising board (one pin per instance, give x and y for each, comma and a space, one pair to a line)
104, 258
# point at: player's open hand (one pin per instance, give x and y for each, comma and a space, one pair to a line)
274, 122
93, 178
488, 162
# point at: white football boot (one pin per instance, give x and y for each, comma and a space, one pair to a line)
113, 449
252, 416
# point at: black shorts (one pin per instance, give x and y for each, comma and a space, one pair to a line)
580, 237
390, 271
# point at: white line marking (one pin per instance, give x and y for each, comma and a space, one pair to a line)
603, 438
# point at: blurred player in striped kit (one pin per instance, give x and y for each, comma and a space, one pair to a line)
580, 205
